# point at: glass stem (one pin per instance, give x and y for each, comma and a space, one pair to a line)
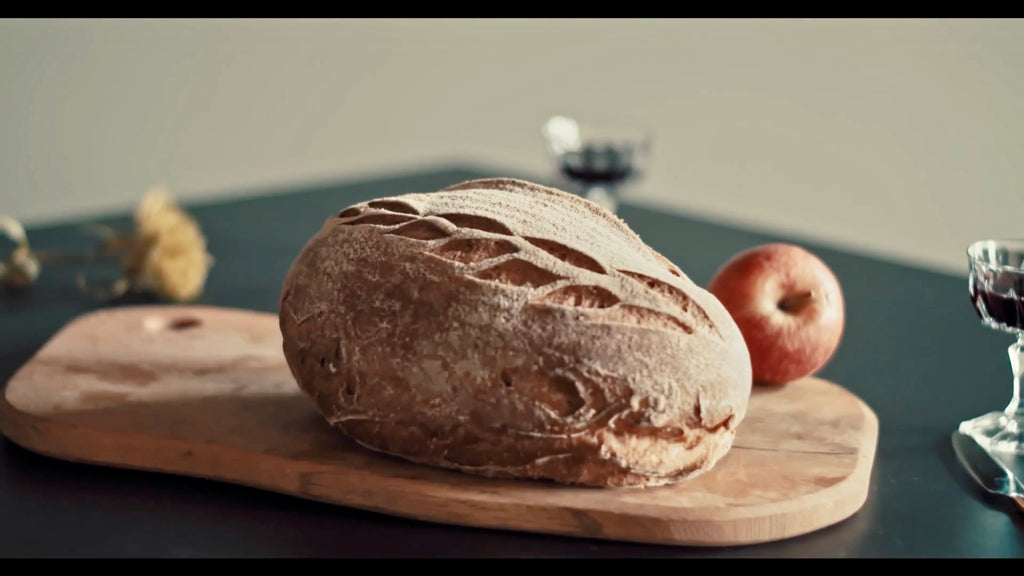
603, 194
1016, 351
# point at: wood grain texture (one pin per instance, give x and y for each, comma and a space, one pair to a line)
205, 392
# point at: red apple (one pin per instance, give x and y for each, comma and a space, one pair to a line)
788, 306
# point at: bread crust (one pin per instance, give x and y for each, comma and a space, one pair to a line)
512, 330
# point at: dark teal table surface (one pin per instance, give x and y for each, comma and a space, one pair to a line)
913, 350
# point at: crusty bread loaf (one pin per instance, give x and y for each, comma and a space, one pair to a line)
507, 329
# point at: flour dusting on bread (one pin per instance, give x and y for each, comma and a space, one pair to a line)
508, 329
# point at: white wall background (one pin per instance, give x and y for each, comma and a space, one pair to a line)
900, 138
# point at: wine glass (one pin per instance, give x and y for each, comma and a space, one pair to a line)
996, 284
599, 158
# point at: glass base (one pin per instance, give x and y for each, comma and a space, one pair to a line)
997, 431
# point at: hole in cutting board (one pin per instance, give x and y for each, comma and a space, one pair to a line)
157, 323
184, 323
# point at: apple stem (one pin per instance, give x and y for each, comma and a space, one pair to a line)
795, 302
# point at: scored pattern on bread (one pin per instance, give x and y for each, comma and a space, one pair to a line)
473, 222
566, 254
675, 295
508, 329
521, 272
518, 273
379, 219
581, 296
393, 206
470, 250
421, 230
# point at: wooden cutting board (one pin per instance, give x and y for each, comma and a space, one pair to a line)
205, 392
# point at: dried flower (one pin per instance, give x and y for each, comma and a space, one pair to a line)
168, 252
13, 229
21, 268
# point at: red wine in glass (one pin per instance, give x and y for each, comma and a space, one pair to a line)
598, 158
598, 164
996, 284
1000, 309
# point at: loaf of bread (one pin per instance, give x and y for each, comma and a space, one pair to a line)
507, 329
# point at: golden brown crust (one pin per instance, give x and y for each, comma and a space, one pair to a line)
512, 330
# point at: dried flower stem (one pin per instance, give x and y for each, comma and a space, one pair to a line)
119, 288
